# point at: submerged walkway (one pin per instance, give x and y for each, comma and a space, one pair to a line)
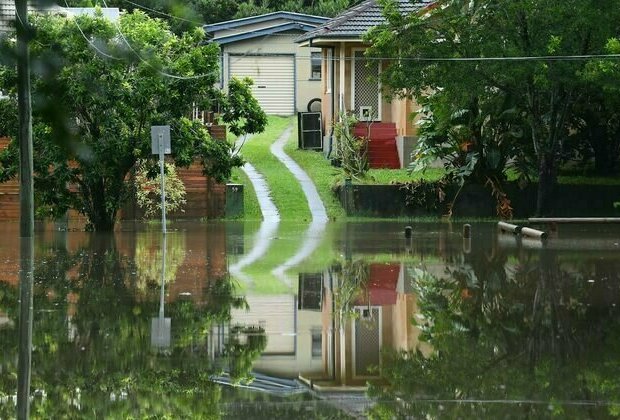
268, 228
271, 216
314, 233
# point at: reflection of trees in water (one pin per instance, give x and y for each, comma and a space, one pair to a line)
352, 277
91, 336
245, 344
501, 331
148, 257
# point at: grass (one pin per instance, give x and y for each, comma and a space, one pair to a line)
320, 171
251, 209
285, 190
574, 177
399, 176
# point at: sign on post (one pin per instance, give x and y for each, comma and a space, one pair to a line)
160, 145
160, 134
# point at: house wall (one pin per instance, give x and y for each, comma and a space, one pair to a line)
305, 88
397, 111
290, 366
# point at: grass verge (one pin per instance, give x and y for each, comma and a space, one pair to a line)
251, 209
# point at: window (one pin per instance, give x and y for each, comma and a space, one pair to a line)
315, 66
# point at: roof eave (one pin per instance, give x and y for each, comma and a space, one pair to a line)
236, 23
327, 41
262, 33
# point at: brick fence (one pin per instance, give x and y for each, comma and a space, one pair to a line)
205, 198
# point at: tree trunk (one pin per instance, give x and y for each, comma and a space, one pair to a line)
101, 218
547, 180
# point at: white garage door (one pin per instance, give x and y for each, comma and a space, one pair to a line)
274, 80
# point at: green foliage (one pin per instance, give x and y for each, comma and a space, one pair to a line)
94, 103
149, 249
242, 113
186, 15
148, 190
483, 113
350, 149
245, 344
493, 330
354, 276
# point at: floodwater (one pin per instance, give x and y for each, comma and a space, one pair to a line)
344, 320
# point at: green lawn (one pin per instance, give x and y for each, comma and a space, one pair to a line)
285, 190
320, 171
251, 209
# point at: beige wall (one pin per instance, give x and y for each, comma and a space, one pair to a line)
306, 89
396, 110
290, 366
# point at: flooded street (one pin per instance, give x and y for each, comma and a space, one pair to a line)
336, 320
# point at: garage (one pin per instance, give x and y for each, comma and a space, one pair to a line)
274, 80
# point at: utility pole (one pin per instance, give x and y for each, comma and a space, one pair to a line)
26, 205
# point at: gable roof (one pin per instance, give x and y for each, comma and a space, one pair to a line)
291, 16
356, 21
284, 27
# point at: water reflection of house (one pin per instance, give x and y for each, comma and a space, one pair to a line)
380, 318
305, 339
294, 334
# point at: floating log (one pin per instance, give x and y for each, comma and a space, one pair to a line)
574, 220
509, 227
533, 233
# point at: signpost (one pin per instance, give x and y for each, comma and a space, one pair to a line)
160, 145
160, 326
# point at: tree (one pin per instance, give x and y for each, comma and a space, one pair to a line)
543, 92
99, 89
507, 330
186, 15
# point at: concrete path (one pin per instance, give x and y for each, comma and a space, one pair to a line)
317, 209
271, 216
269, 226
314, 233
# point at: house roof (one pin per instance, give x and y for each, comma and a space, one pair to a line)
290, 16
284, 27
356, 21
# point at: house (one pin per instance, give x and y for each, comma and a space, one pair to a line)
351, 84
286, 76
7, 15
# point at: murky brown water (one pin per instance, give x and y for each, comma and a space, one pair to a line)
302, 318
